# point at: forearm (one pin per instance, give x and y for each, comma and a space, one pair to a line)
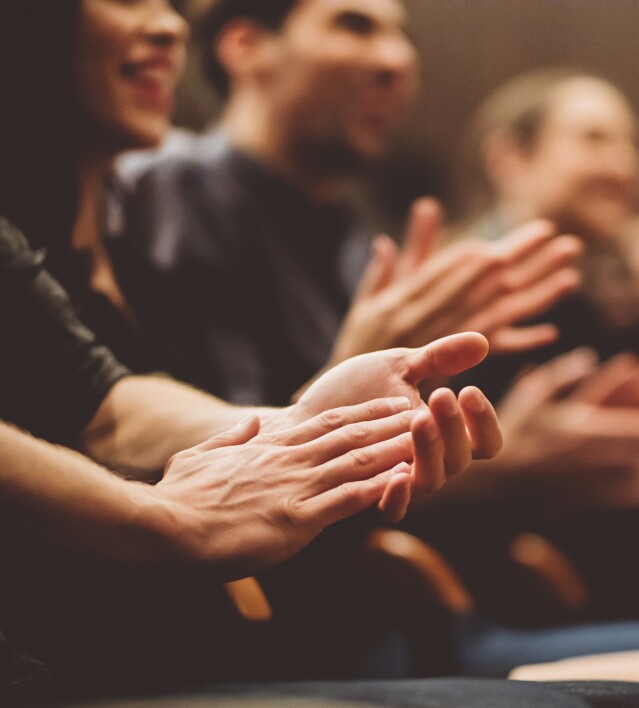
52, 497
145, 420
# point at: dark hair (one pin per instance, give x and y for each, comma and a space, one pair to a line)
37, 176
271, 14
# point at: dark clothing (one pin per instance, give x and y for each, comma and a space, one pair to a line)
53, 372
53, 377
243, 276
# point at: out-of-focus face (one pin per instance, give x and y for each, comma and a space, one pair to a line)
129, 57
344, 74
583, 170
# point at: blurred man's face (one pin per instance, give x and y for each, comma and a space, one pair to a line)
343, 76
584, 169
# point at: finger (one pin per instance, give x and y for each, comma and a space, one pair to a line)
618, 427
243, 431
337, 418
559, 253
538, 387
548, 381
452, 429
524, 304
617, 380
338, 503
445, 357
525, 239
396, 498
380, 270
428, 473
437, 310
449, 274
362, 463
424, 228
356, 436
481, 423
509, 340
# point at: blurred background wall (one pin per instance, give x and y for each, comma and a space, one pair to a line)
469, 47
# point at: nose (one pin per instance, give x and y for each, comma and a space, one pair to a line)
165, 26
622, 162
396, 60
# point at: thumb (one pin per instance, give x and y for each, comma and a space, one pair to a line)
445, 357
380, 269
240, 433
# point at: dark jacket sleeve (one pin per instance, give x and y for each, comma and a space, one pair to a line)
53, 372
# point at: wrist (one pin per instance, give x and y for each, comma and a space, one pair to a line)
164, 531
276, 419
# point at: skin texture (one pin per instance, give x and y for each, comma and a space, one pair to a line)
413, 296
128, 60
145, 420
583, 167
241, 502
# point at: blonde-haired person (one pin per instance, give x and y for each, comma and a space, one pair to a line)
561, 145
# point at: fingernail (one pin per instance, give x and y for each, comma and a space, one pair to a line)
401, 468
427, 425
400, 404
476, 401
448, 404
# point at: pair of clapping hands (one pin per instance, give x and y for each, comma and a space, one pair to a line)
361, 435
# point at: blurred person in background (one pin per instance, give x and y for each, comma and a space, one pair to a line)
562, 145
244, 251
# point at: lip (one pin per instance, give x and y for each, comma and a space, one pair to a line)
383, 114
153, 80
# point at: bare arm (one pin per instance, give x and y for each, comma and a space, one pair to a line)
54, 497
238, 502
144, 420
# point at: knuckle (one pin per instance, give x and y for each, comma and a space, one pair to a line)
358, 434
361, 458
352, 493
332, 419
175, 459
290, 515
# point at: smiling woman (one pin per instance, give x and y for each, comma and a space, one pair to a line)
129, 58
103, 72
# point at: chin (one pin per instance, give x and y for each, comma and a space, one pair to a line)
371, 148
141, 134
